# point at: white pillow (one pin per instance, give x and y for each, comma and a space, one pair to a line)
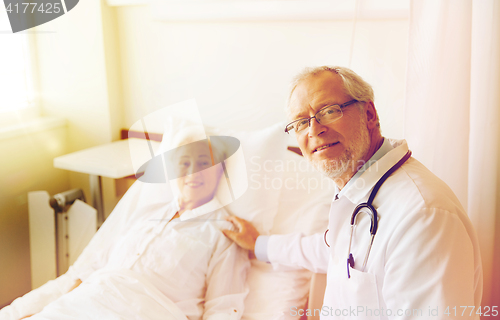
262, 149
305, 198
304, 204
273, 294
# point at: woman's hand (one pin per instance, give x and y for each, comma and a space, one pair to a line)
246, 234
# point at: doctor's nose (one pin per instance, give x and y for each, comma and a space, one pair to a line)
315, 128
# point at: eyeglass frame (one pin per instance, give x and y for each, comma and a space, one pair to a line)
341, 106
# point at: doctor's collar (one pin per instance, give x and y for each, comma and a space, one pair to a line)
382, 151
358, 191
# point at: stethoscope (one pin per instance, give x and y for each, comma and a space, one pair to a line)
372, 212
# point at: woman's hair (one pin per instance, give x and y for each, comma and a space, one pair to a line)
193, 134
188, 135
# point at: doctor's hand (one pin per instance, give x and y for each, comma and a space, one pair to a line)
246, 234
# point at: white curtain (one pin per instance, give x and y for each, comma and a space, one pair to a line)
452, 111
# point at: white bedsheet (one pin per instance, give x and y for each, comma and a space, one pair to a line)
113, 294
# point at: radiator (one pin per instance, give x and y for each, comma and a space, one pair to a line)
57, 237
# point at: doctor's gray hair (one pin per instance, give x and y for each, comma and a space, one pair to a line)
354, 86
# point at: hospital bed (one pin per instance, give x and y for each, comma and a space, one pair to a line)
285, 194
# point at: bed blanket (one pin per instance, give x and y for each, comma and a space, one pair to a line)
112, 294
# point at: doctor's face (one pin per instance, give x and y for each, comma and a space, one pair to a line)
198, 179
335, 149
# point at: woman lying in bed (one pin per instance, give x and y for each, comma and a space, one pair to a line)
159, 262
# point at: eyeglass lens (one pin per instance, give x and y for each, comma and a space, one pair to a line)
324, 116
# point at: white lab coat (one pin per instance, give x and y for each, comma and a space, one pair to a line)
425, 256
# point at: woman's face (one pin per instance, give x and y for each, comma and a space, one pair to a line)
198, 179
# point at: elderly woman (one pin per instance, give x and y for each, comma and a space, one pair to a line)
165, 261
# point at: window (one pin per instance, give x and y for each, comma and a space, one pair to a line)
16, 74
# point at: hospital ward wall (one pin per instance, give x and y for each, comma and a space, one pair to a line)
79, 80
25, 165
239, 71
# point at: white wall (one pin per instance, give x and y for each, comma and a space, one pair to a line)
241, 70
72, 73
78, 69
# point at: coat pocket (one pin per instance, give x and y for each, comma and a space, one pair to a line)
351, 298
361, 288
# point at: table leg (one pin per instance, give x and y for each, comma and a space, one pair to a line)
96, 193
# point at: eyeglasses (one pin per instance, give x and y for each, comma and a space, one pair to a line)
324, 116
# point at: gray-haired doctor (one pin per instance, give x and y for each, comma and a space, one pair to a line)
422, 262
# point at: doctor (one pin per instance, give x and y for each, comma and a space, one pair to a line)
422, 263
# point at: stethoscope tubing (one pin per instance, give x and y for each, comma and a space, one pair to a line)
372, 212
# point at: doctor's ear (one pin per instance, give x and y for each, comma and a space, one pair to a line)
371, 115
